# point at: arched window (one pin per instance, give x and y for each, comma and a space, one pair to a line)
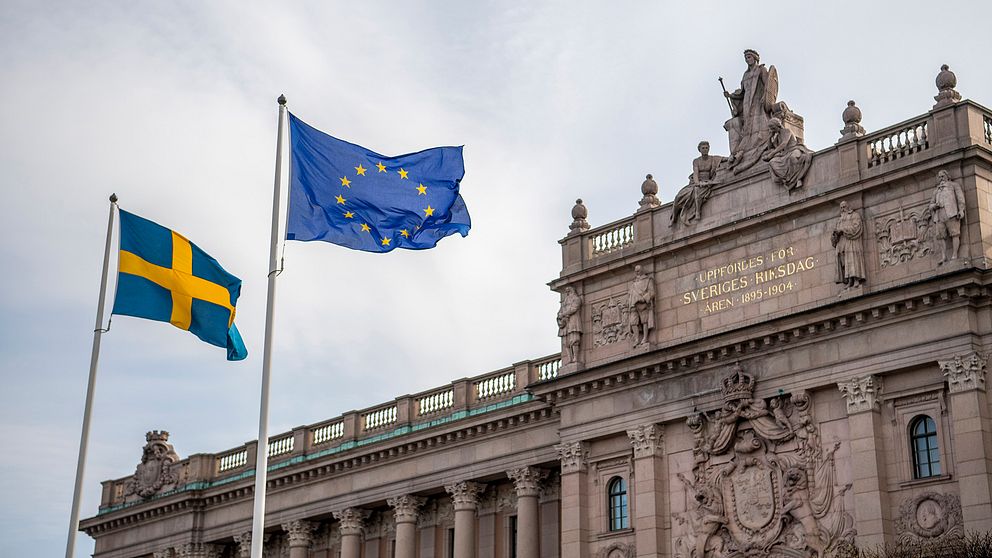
926, 454
617, 489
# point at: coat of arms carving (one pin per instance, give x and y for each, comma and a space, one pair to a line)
762, 485
610, 322
154, 474
904, 236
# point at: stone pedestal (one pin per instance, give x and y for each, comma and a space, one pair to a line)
405, 510
574, 499
650, 480
465, 497
352, 522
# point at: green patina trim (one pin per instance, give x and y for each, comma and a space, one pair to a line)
344, 446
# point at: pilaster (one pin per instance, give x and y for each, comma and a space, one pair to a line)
650, 487
574, 458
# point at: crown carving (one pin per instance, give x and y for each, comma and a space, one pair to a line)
738, 386
157, 436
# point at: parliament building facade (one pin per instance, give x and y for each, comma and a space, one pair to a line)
788, 358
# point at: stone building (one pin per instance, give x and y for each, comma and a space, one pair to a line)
787, 358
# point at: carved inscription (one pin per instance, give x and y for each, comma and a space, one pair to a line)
749, 280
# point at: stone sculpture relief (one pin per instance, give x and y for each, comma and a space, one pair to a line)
930, 517
846, 239
762, 484
947, 211
904, 236
707, 173
640, 304
617, 550
861, 394
610, 321
788, 159
964, 372
570, 323
154, 474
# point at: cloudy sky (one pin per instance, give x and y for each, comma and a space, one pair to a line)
172, 106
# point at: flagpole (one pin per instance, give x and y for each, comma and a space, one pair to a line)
262, 458
70, 545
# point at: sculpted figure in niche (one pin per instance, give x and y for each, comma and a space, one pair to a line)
751, 107
846, 239
570, 322
947, 210
788, 159
688, 203
640, 299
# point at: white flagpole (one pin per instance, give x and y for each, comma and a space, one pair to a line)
262, 459
70, 544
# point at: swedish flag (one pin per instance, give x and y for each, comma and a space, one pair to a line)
163, 276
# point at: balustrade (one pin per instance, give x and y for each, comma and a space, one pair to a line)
233, 460
899, 143
435, 402
496, 385
380, 417
612, 239
328, 432
280, 446
548, 370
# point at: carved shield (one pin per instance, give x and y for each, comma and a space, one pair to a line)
148, 473
750, 496
771, 89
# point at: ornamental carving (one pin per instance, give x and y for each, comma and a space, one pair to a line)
465, 494
647, 440
504, 499
527, 480
155, 473
964, 372
610, 321
242, 544
930, 516
198, 550
617, 550
904, 236
352, 520
573, 456
167, 553
406, 507
762, 484
861, 393
299, 532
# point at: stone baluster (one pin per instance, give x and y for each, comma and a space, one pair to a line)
242, 543
527, 482
352, 522
300, 534
405, 509
465, 496
649, 487
574, 499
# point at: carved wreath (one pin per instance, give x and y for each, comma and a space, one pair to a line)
930, 515
616, 550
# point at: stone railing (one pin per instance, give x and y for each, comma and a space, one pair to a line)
428, 409
987, 123
897, 142
611, 238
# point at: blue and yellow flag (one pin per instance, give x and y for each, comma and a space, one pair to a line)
348, 195
164, 277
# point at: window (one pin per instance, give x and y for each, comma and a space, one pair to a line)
451, 543
512, 546
923, 443
617, 489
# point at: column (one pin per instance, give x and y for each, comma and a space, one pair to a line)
465, 496
352, 522
300, 533
405, 509
972, 440
527, 482
242, 544
871, 504
574, 499
649, 490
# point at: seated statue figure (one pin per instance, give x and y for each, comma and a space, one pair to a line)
689, 201
787, 157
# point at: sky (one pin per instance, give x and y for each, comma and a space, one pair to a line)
172, 105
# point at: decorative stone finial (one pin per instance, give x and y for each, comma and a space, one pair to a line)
649, 191
852, 122
579, 214
281, 100
946, 82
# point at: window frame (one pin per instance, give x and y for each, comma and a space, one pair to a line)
624, 504
904, 408
932, 446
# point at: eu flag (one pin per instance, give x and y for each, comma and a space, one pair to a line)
348, 195
164, 277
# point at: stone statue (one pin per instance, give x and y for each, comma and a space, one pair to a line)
788, 158
570, 322
947, 210
640, 298
846, 239
688, 203
751, 107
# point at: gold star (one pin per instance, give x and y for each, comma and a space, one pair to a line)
365, 228
345, 182
403, 173
385, 241
360, 169
429, 211
348, 215
381, 167
339, 198
421, 190
404, 233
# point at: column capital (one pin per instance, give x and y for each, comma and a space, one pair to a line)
648, 440
242, 543
198, 550
573, 456
965, 372
300, 532
527, 480
465, 494
861, 393
166, 553
406, 508
352, 520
